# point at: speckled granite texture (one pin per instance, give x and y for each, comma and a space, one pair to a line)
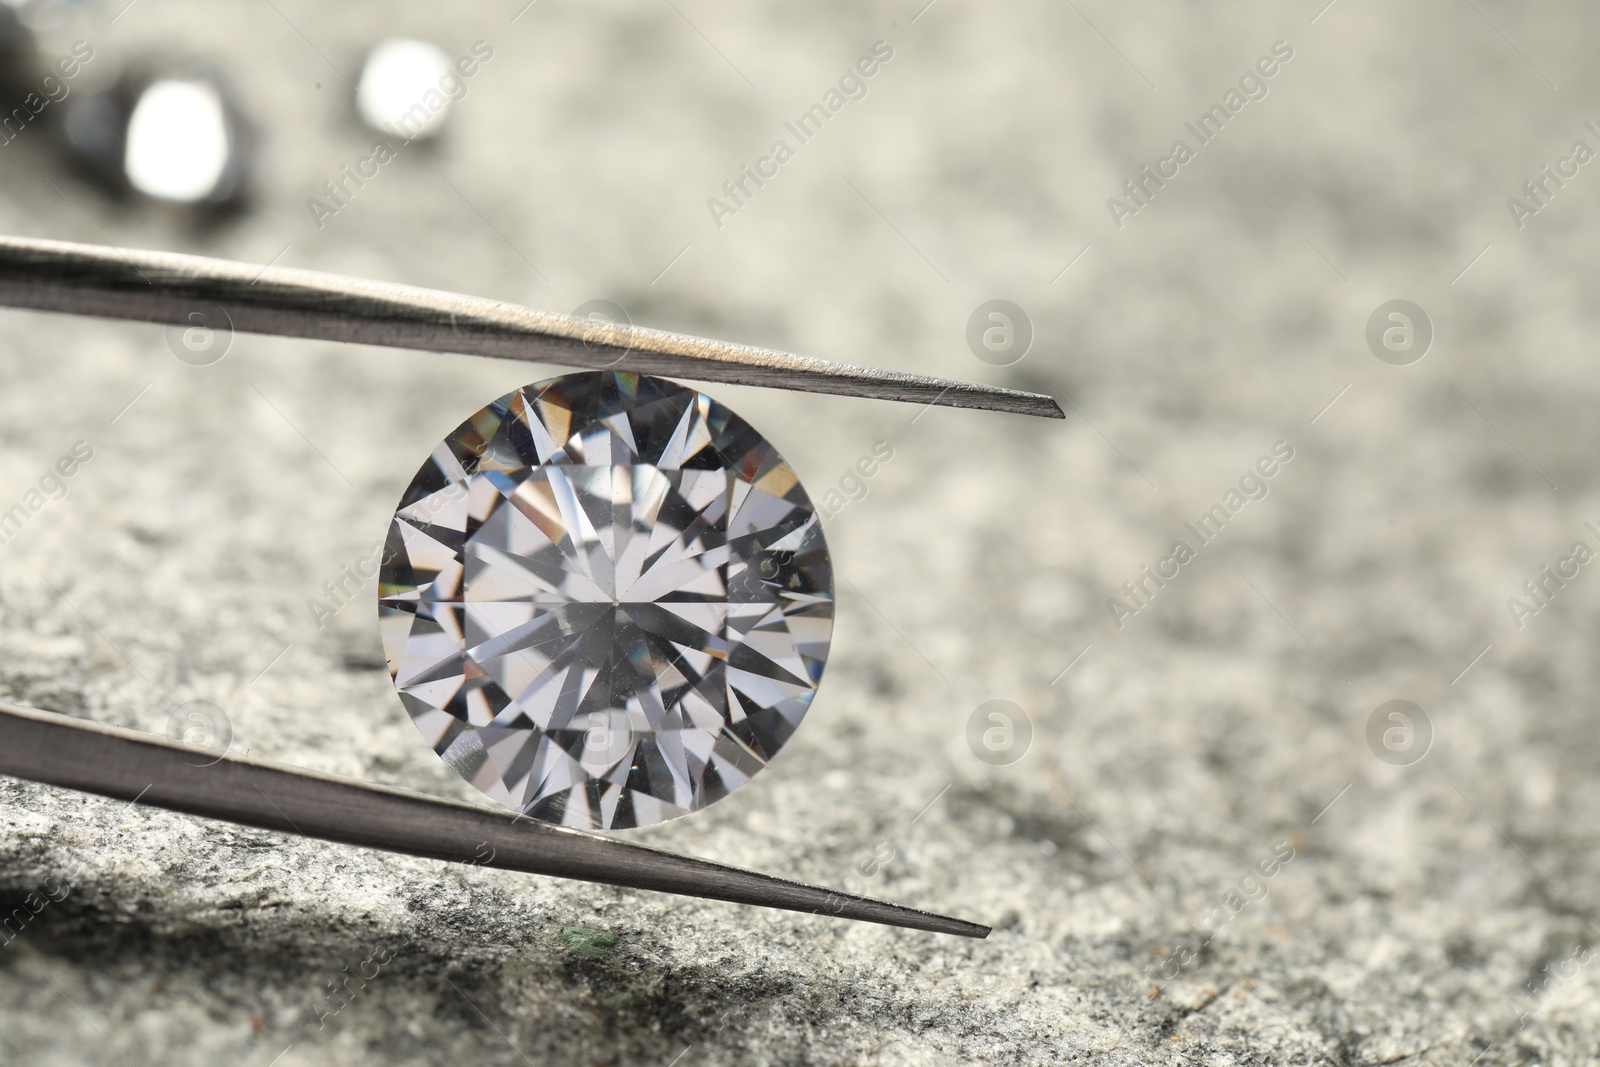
1199, 859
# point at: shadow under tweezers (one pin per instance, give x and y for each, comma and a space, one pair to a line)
54, 749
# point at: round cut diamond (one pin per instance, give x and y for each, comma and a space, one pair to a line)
606, 600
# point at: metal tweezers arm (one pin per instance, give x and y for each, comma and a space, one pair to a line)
56, 750
167, 288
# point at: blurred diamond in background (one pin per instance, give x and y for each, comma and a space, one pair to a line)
16, 53
166, 132
395, 79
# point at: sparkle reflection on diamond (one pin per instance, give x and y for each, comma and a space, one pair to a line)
605, 600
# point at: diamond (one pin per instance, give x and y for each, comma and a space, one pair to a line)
606, 600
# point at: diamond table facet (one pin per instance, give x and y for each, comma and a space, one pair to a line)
605, 600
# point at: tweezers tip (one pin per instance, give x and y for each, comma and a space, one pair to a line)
963, 928
999, 398
878, 911
1018, 402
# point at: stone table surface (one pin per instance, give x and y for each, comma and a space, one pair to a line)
1199, 858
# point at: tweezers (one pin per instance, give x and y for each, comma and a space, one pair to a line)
42, 746
58, 750
163, 287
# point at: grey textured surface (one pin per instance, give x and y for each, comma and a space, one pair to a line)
1419, 912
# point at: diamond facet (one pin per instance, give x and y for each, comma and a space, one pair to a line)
605, 600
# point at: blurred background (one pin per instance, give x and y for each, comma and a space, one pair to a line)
1324, 793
